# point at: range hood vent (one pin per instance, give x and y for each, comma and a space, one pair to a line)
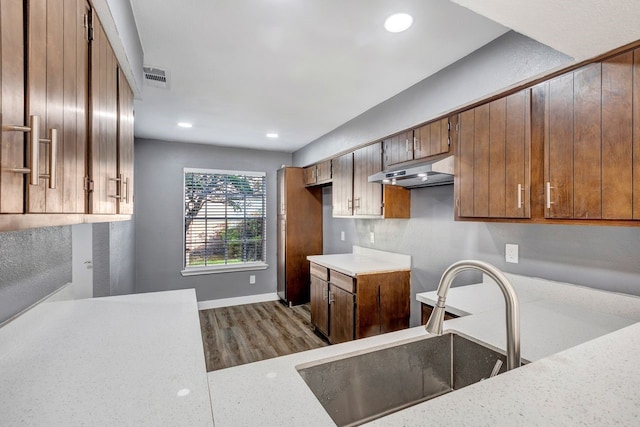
428, 174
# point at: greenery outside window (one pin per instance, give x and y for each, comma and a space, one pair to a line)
224, 221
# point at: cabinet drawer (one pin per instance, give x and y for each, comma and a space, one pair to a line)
342, 281
319, 271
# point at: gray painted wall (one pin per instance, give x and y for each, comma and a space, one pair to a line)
33, 263
506, 61
159, 208
599, 257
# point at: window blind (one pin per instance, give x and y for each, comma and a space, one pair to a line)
224, 217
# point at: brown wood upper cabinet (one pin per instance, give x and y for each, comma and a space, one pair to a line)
354, 195
103, 154
12, 106
49, 124
429, 140
592, 140
125, 146
493, 159
318, 174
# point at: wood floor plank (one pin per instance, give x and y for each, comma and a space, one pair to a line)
236, 335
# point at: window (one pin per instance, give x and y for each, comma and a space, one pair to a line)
224, 221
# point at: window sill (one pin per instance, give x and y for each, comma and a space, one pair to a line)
195, 271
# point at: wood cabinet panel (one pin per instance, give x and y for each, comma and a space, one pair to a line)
11, 105
431, 139
125, 146
465, 163
341, 312
398, 149
586, 142
518, 155
104, 124
481, 162
559, 147
617, 137
56, 92
493, 165
342, 281
323, 172
367, 196
318, 174
319, 304
343, 185
299, 235
497, 158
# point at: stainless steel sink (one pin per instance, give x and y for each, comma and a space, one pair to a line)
359, 388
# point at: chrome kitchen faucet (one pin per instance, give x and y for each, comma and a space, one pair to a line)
434, 324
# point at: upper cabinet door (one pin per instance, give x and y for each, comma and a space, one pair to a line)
57, 93
125, 146
431, 139
12, 106
398, 149
343, 185
493, 165
589, 141
104, 125
367, 196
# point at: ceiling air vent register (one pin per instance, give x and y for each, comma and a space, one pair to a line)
156, 77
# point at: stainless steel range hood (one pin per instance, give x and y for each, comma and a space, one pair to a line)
427, 174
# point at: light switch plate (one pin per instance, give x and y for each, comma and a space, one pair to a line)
342, 236
252, 279
373, 237
511, 253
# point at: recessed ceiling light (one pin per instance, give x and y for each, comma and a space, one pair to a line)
272, 135
398, 22
185, 125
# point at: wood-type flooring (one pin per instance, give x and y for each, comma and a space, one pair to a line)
252, 332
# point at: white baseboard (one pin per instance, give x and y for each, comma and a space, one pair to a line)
228, 302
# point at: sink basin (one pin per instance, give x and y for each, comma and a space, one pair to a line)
360, 388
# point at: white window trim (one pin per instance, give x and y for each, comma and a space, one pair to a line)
220, 268
227, 268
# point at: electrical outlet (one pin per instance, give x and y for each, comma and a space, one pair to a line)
252, 279
373, 237
342, 236
511, 253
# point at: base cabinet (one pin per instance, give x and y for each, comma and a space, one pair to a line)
344, 308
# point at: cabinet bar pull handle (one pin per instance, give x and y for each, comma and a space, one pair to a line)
406, 144
416, 143
125, 183
349, 204
549, 202
520, 190
118, 193
53, 157
330, 294
34, 140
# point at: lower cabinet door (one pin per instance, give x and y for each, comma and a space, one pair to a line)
320, 305
341, 311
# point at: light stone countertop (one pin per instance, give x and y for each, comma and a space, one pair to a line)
591, 381
363, 261
125, 360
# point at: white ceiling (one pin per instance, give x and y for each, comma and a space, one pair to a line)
240, 69
301, 68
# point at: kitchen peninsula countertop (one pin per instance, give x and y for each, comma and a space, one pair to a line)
125, 360
363, 261
590, 383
